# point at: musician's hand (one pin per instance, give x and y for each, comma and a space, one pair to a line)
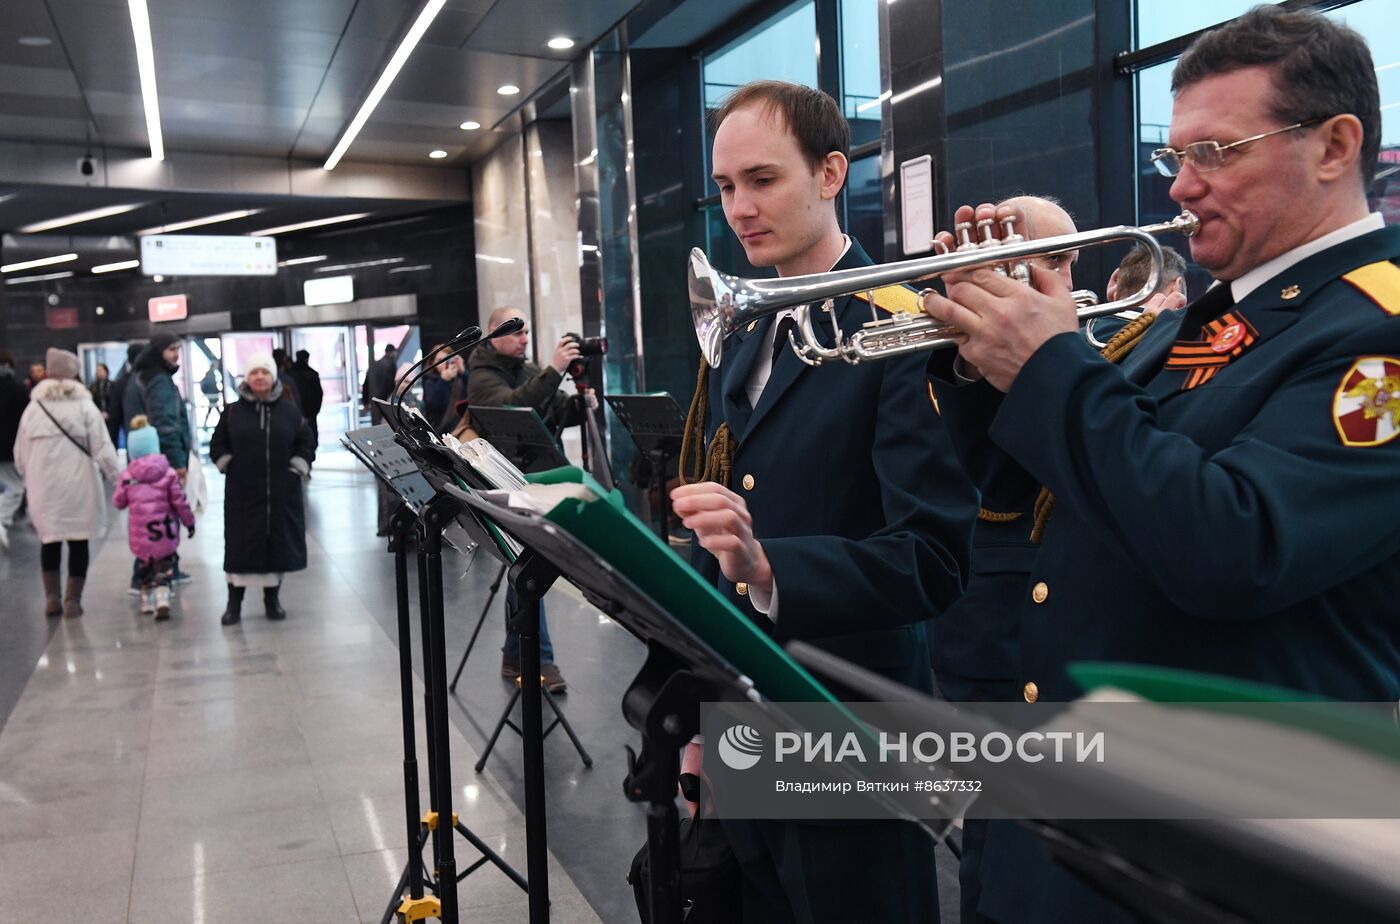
722, 525
1164, 301
1002, 321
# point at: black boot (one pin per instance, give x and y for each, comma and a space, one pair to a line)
274, 609
234, 611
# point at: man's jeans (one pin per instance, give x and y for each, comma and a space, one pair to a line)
511, 649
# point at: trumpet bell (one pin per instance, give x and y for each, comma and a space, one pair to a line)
709, 291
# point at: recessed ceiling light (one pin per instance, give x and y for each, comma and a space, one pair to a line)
438, 154
35, 41
42, 261
101, 311
509, 89
64, 221
560, 43
469, 126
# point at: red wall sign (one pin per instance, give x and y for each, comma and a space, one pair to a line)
61, 318
168, 308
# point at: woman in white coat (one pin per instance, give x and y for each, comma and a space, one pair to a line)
61, 435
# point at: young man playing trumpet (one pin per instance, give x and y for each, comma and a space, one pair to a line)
829, 507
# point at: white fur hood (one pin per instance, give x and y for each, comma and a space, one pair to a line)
60, 390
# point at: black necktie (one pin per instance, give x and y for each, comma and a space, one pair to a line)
780, 336
1208, 307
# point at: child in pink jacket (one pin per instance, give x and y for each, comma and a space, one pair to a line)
150, 487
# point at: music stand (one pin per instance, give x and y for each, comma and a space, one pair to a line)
657, 427
1186, 870
391, 458
519, 433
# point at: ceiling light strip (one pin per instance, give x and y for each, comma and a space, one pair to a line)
381, 86
116, 267
302, 226
42, 261
146, 65
64, 221
199, 222
21, 280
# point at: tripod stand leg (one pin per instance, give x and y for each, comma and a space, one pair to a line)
491, 598
560, 719
505, 717
490, 855
414, 904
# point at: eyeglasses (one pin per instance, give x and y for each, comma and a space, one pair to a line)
1206, 156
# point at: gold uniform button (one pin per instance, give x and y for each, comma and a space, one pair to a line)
742, 589
1030, 691
748, 482
1040, 593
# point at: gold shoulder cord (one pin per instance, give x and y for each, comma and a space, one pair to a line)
1119, 346
696, 464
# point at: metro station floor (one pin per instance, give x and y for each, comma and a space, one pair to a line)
183, 771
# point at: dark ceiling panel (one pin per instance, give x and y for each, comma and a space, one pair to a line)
283, 78
522, 27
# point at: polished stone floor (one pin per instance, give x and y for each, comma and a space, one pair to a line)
188, 772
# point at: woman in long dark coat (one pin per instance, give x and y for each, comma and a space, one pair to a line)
265, 449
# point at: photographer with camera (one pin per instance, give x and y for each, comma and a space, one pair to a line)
501, 376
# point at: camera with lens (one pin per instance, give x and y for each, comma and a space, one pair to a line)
587, 346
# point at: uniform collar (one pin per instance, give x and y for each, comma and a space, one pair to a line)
1246, 284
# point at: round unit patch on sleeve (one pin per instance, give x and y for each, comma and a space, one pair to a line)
1366, 408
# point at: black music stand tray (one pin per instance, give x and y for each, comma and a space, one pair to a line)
395, 467
520, 435
1169, 871
657, 427
663, 702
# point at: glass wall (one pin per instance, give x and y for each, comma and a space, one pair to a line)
782, 48
1374, 19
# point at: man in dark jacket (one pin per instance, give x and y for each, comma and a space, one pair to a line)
308, 386
116, 402
501, 376
151, 391
379, 381
13, 398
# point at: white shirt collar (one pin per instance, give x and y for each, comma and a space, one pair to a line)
1261, 274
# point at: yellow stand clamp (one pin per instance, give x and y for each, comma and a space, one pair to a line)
431, 819
419, 909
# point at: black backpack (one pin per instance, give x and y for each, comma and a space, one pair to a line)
711, 887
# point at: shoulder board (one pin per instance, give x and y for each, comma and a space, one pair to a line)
894, 299
1380, 282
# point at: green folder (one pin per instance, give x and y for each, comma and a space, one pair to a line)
612, 532
1326, 718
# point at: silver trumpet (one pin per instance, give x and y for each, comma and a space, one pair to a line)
720, 303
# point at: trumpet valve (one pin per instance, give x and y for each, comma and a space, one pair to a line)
963, 230
984, 230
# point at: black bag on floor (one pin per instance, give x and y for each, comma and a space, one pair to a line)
711, 888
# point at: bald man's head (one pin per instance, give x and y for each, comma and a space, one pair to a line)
513, 345
1043, 216
500, 316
